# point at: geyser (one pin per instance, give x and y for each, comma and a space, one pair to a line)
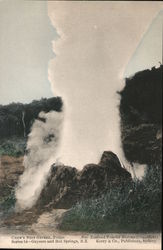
96, 41
91, 55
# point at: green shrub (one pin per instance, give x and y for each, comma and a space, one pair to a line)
7, 203
13, 146
133, 208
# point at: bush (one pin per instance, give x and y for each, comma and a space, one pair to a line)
7, 202
133, 208
13, 146
11, 115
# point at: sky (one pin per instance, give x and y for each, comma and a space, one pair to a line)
25, 50
149, 51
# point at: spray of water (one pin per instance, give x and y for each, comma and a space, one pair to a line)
42, 146
92, 52
83, 73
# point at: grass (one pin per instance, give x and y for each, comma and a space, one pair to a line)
13, 146
131, 209
7, 201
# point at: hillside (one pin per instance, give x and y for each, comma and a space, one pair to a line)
16, 120
141, 117
13, 116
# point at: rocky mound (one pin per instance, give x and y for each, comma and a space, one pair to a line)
66, 186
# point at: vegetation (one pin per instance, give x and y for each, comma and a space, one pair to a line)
133, 208
141, 117
141, 99
7, 201
15, 146
16, 119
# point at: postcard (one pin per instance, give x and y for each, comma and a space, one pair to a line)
80, 124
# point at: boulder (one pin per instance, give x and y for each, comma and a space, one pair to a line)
61, 188
66, 185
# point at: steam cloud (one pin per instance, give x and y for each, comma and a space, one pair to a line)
42, 146
92, 52
91, 55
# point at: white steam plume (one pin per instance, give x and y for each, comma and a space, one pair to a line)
96, 41
42, 147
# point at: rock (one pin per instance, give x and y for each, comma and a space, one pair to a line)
97, 179
110, 159
60, 188
66, 185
